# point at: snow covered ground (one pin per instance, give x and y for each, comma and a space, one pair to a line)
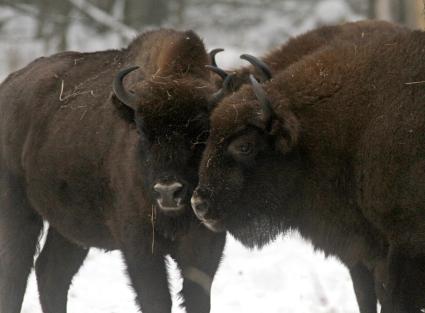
287, 276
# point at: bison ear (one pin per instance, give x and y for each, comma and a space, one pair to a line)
124, 111
282, 126
285, 132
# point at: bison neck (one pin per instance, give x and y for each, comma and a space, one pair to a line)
323, 205
326, 214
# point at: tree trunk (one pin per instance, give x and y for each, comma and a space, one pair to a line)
383, 10
414, 13
140, 13
406, 12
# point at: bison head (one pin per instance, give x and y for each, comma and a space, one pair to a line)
170, 113
250, 167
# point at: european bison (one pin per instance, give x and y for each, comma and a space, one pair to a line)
333, 146
113, 172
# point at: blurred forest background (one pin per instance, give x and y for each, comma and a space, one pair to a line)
30, 28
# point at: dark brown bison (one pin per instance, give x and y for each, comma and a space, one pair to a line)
333, 146
113, 172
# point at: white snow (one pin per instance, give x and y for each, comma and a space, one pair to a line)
285, 276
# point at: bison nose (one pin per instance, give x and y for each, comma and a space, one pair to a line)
168, 192
199, 205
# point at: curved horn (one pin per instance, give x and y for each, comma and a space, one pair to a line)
123, 95
262, 98
219, 94
212, 54
217, 70
263, 67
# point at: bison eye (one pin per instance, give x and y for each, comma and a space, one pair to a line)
242, 150
246, 148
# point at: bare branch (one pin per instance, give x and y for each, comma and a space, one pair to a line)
104, 18
30, 10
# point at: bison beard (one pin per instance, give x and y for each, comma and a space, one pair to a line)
255, 231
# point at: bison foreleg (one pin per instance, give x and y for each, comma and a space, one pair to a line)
364, 288
198, 256
57, 264
19, 230
147, 271
406, 282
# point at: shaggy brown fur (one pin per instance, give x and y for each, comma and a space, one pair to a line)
86, 163
296, 48
340, 158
